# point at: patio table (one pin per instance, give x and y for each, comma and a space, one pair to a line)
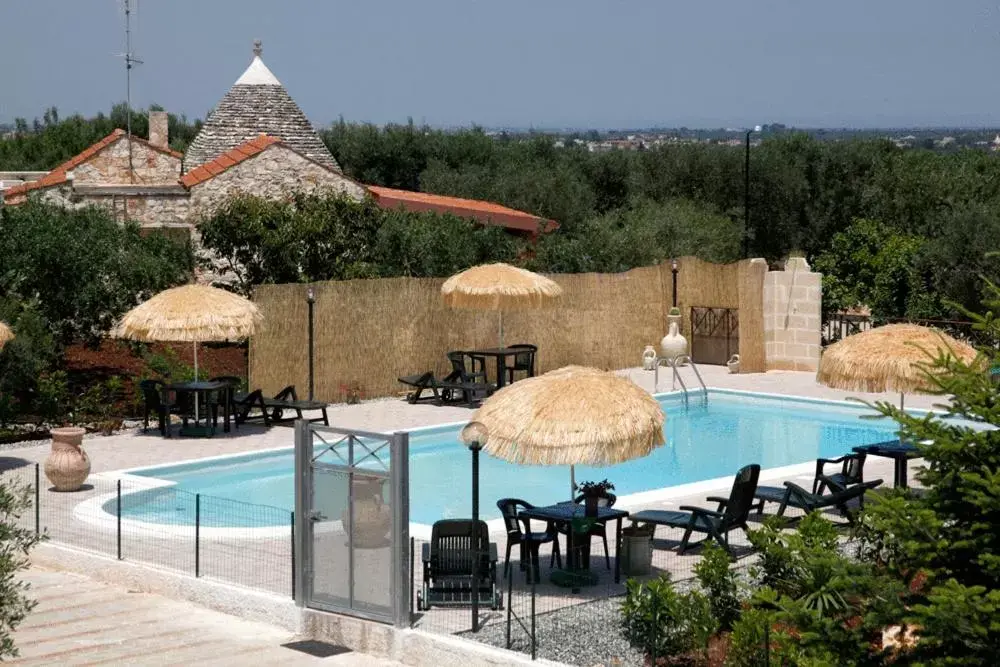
204, 388
899, 452
500, 354
565, 513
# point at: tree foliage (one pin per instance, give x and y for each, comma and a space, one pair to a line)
15, 544
81, 270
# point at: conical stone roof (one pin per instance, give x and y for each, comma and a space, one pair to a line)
256, 104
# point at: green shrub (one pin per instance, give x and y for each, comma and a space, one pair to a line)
52, 402
719, 581
664, 623
15, 501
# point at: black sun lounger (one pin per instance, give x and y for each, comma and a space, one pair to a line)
793, 495
447, 390
732, 512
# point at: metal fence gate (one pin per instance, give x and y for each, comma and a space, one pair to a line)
715, 334
352, 522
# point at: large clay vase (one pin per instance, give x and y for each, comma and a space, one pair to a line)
67, 466
673, 344
372, 518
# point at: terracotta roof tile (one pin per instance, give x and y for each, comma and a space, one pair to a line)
229, 159
58, 174
483, 211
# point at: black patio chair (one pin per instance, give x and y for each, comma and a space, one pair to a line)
600, 530
449, 564
732, 512
524, 361
793, 495
156, 400
851, 473
528, 541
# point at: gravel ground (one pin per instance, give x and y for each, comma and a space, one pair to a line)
584, 634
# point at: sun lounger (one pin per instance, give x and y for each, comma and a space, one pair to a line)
272, 410
451, 389
793, 495
732, 512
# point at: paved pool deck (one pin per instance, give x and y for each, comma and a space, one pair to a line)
79, 621
262, 561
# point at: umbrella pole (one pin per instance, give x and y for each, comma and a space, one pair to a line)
195, 379
572, 483
501, 328
901, 400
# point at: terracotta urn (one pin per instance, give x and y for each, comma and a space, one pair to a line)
372, 518
67, 465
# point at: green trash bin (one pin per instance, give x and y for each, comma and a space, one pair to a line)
637, 550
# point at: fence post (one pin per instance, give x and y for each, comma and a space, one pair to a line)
118, 513
534, 644
510, 598
413, 589
38, 497
293, 554
197, 535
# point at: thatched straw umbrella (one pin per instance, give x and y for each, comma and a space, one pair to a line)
569, 416
6, 335
190, 313
894, 357
498, 287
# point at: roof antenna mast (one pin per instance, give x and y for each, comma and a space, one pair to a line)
130, 60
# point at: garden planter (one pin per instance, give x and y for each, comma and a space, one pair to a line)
372, 519
590, 505
637, 550
67, 466
673, 344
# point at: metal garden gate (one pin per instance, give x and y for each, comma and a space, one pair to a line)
352, 522
715, 334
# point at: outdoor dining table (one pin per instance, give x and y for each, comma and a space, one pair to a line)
500, 354
899, 452
564, 513
198, 389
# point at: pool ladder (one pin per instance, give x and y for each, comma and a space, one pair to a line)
673, 363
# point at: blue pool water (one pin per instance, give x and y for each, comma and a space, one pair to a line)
704, 441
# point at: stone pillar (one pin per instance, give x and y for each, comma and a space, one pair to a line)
159, 132
792, 305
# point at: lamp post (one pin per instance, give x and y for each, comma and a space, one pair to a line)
673, 270
746, 193
311, 299
475, 435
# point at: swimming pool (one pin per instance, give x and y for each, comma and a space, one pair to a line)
705, 441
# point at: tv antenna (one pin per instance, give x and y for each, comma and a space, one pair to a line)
130, 60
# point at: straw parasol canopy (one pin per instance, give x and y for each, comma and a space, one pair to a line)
6, 335
894, 357
498, 287
573, 415
190, 313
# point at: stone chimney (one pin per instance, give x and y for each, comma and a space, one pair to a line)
159, 135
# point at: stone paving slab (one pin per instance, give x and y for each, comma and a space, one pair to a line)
79, 621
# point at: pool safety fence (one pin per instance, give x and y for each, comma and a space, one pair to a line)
561, 614
134, 519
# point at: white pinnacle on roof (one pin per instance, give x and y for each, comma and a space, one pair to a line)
257, 75
256, 104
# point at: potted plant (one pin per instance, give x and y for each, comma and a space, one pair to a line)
592, 492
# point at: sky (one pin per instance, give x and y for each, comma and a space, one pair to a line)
522, 63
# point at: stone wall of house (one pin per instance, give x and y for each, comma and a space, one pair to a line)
111, 166
149, 210
792, 317
275, 172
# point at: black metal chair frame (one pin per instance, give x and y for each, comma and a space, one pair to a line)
157, 399
851, 472
523, 361
528, 541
